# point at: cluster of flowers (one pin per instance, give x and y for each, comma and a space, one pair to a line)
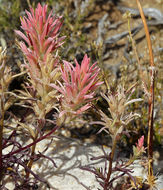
77, 84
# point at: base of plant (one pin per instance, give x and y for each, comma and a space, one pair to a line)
69, 155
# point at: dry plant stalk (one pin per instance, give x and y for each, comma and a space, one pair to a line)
5, 79
150, 97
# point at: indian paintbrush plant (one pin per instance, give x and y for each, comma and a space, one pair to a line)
41, 36
115, 125
41, 41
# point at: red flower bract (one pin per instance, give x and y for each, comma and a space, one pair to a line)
140, 143
40, 34
79, 85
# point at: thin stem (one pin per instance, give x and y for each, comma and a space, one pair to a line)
30, 163
31, 144
110, 164
151, 97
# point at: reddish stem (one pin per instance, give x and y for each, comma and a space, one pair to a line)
33, 143
151, 92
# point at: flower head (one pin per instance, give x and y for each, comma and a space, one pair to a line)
79, 85
117, 106
40, 34
139, 149
41, 38
140, 144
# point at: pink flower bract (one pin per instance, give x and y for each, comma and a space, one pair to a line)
40, 34
140, 144
79, 85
